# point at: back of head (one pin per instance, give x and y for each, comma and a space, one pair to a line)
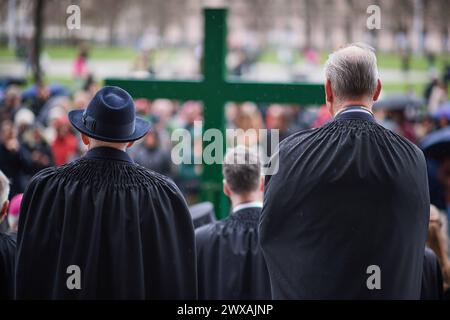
242, 170
352, 72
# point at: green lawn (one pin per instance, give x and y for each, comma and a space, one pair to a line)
65, 52
385, 60
68, 52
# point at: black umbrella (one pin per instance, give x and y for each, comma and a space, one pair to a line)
437, 144
399, 102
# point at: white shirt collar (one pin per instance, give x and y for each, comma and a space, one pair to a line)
349, 109
253, 204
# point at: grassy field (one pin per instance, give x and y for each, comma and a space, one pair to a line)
385, 60
67, 52
95, 53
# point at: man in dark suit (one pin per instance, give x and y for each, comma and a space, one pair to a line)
229, 259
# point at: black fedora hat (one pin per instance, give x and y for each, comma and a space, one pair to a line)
110, 117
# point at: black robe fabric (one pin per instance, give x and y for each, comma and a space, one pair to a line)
347, 196
127, 228
432, 283
7, 262
230, 263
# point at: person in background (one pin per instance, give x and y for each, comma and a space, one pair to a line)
250, 121
11, 103
446, 74
80, 99
43, 94
188, 173
439, 181
149, 154
91, 85
39, 150
66, 144
24, 120
438, 242
429, 88
323, 117
230, 263
438, 96
402, 125
80, 66
277, 118
14, 213
7, 246
15, 161
432, 284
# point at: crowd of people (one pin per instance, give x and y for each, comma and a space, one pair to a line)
331, 174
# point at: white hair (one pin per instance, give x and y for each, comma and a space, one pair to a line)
4, 188
24, 117
352, 71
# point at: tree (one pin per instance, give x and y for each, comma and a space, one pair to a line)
37, 40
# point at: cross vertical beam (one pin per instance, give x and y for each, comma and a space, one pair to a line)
214, 77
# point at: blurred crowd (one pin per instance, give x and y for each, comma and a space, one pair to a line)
35, 133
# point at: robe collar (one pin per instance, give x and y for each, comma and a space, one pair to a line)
247, 205
106, 153
355, 112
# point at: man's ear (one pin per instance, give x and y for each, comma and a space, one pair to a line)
130, 144
4, 210
85, 139
328, 92
377, 91
226, 188
261, 187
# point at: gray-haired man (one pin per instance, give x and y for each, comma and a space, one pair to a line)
229, 259
346, 215
7, 246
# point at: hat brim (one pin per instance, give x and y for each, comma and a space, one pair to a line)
141, 128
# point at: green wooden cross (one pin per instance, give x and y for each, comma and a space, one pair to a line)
215, 90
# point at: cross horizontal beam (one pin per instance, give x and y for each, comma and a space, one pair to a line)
238, 91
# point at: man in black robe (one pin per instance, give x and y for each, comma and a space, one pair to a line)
346, 215
229, 258
103, 227
7, 246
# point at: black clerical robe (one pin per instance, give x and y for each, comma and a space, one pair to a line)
7, 262
126, 228
349, 206
229, 259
